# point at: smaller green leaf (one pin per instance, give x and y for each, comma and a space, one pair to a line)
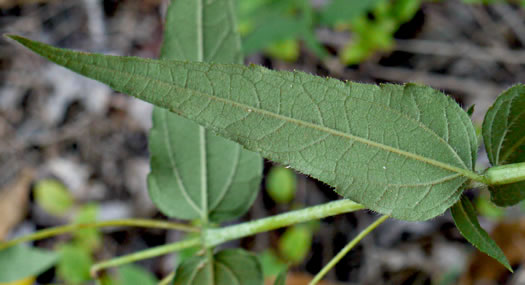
345, 10
280, 184
470, 110
74, 264
88, 238
53, 197
295, 243
354, 53
135, 275
230, 267
404, 10
19, 262
468, 225
279, 28
505, 141
271, 264
287, 50
281, 278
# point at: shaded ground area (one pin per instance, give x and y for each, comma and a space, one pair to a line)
56, 124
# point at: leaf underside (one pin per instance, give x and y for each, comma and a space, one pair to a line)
230, 267
504, 140
401, 150
466, 221
194, 173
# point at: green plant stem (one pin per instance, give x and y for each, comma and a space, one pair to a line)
47, 233
214, 237
476, 184
505, 174
149, 253
346, 249
168, 279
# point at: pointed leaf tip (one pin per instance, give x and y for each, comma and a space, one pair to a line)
467, 223
15, 38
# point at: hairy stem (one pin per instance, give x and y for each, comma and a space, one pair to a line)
505, 174
346, 249
145, 254
51, 232
213, 237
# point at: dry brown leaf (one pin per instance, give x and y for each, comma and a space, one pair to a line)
13, 201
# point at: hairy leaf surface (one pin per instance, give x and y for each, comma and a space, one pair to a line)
466, 220
401, 150
196, 174
229, 267
504, 138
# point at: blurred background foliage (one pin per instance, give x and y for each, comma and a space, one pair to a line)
275, 27
85, 146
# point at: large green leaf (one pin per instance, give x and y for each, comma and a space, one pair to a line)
19, 262
230, 267
194, 173
504, 138
401, 150
467, 222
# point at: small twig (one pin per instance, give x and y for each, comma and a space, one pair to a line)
346, 249
47, 233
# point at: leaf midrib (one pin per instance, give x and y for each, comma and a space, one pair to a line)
333, 132
202, 131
